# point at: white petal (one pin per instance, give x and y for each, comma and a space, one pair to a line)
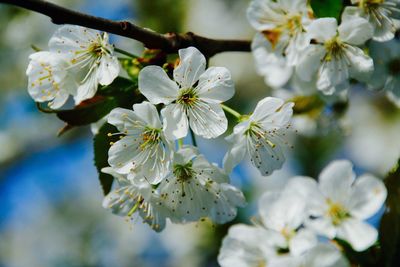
148, 113
207, 119
325, 255
360, 235
108, 69
332, 74
368, 196
278, 120
123, 119
266, 107
362, 66
191, 67
156, 86
87, 89
322, 29
310, 62
302, 241
336, 179
216, 85
322, 226
355, 31
263, 15
236, 152
175, 122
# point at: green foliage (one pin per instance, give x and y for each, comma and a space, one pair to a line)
121, 93
327, 8
101, 146
389, 232
311, 105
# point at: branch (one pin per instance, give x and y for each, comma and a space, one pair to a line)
170, 42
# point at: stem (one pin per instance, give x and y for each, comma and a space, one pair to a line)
180, 143
194, 142
118, 50
231, 111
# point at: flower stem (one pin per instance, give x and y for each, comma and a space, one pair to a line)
180, 143
118, 50
194, 142
231, 111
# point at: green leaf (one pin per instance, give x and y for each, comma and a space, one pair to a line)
101, 146
389, 231
121, 93
327, 8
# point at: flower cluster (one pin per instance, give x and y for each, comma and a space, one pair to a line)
292, 219
291, 46
78, 60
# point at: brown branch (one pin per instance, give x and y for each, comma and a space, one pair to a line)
169, 42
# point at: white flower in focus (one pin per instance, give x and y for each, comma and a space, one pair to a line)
339, 204
280, 39
142, 147
193, 98
381, 15
136, 198
387, 69
196, 189
261, 136
90, 55
333, 54
47, 79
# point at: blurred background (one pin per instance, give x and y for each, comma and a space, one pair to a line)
50, 197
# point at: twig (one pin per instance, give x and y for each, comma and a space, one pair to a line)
170, 42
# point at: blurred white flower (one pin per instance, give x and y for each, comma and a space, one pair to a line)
280, 39
339, 203
381, 15
387, 69
136, 197
48, 79
333, 54
197, 189
90, 55
193, 98
261, 136
142, 148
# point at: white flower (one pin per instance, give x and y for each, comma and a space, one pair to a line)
387, 69
261, 136
275, 240
333, 54
280, 39
381, 15
48, 80
90, 55
196, 189
136, 198
193, 98
339, 204
142, 147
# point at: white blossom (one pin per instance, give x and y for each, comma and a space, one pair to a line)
333, 54
142, 147
339, 203
136, 198
382, 15
196, 189
47, 79
280, 39
90, 56
262, 136
192, 98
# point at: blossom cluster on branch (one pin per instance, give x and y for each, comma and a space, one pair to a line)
158, 172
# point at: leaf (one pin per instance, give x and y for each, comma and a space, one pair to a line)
311, 105
389, 231
327, 8
101, 146
121, 93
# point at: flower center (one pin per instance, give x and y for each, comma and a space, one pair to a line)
184, 172
150, 137
292, 26
368, 4
337, 212
256, 132
187, 97
334, 48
